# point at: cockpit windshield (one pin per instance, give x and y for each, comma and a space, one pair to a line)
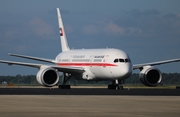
127, 60
116, 60
121, 60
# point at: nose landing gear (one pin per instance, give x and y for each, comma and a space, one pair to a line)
116, 85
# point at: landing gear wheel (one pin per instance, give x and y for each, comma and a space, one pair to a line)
119, 87
64, 87
112, 86
115, 87
64, 80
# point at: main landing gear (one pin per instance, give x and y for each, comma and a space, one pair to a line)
64, 80
116, 85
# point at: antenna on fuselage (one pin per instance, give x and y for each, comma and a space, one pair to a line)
64, 43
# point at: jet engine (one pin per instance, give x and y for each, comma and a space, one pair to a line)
47, 76
150, 76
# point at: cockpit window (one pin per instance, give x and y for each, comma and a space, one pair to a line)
116, 60
121, 60
127, 60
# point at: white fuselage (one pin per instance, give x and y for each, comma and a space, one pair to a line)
99, 64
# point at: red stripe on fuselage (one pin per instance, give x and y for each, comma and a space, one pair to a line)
86, 64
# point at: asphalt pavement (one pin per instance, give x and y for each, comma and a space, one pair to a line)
89, 91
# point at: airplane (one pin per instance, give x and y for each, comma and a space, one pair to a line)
90, 64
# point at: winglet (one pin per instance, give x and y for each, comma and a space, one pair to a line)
63, 38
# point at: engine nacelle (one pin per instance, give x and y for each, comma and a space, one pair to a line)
47, 76
150, 76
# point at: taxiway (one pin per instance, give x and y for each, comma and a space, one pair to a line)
89, 91
89, 102
88, 106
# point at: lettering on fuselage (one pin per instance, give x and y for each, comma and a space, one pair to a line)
99, 56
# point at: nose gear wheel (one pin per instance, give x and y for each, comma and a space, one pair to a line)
116, 85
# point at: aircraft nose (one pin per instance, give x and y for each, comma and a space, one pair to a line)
126, 70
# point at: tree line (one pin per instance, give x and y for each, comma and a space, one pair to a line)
168, 79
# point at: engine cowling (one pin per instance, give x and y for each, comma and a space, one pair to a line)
47, 76
150, 76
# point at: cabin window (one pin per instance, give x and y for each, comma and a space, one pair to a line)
65, 60
97, 60
80, 60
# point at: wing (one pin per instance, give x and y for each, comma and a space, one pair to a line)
21, 63
138, 66
77, 70
33, 58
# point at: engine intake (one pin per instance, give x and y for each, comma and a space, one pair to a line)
150, 76
47, 76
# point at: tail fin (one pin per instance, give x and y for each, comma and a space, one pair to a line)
64, 43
